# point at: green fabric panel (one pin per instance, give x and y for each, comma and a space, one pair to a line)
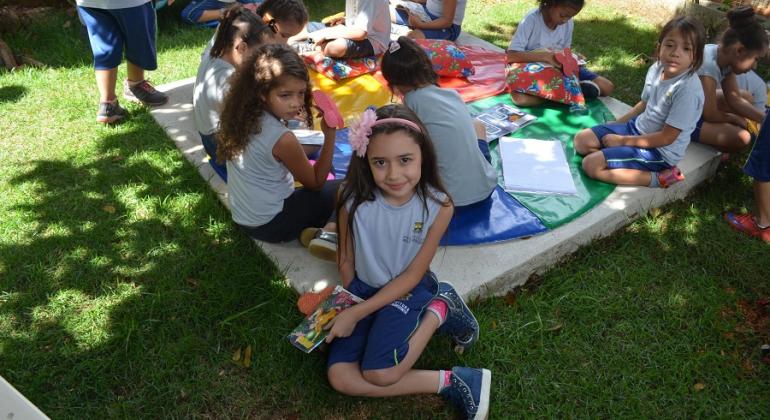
556, 122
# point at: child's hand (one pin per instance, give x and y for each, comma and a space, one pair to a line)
414, 21
342, 325
612, 140
553, 61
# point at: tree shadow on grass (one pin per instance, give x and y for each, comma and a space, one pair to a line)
12, 93
134, 288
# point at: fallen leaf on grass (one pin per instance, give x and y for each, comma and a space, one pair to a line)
555, 327
247, 356
237, 355
510, 298
242, 357
192, 282
655, 212
109, 208
699, 386
493, 326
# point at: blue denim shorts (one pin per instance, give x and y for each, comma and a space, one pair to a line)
450, 33
112, 30
628, 157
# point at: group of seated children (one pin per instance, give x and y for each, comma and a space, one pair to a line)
412, 164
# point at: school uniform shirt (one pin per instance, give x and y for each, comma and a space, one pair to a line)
209, 93
436, 8
677, 102
257, 183
388, 237
751, 82
110, 4
534, 34
710, 67
372, 16
465, 173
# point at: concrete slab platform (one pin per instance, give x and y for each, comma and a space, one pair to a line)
481, 270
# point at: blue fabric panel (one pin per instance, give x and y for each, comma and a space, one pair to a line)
498, 218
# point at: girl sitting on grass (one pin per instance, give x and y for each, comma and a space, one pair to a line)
645, 145
392, 213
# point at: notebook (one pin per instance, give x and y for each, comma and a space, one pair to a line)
535, 166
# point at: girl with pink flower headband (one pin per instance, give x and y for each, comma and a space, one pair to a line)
392, 212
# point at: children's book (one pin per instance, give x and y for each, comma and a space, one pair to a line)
535, 166
411, 8
311, 332
502, 119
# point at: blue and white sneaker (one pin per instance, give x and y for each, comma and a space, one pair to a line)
460, 323
469, 391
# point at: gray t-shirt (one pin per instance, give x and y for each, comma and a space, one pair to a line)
533, 34
372, 16
710, 67
209, 92
466, 175
257, 183
436, 8
110, 4
677, 102
388, 237
751, 82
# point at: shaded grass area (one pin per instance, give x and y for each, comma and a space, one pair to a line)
125, 289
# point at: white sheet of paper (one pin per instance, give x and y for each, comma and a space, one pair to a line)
309, 137
537, 166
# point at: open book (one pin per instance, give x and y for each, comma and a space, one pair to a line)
309, 137
537, 166
411, 8
501, 120
311, 332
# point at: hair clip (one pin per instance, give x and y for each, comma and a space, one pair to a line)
394, 46
360, 130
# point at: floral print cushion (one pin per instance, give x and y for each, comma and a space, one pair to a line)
343, 68
546, 82
447, 59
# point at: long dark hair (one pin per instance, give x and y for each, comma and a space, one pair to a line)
408, 66
744, 28
693, 31
285, 10
359, 185
265, 69
239, 22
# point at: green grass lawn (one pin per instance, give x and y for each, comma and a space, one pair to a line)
125, 289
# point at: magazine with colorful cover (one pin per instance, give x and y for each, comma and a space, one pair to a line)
311, 332
502, 119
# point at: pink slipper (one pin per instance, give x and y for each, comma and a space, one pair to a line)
330, 111
669, 177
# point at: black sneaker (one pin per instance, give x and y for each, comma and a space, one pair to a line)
110, 112
590, 89
144, 93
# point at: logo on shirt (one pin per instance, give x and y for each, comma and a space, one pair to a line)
417, 227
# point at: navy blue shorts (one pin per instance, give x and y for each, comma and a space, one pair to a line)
484, 148
695, 135
353, 49
381, 340
110, 30
758, 164
585, 74
628, 157
451, 33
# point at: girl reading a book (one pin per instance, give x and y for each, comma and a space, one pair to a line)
460, 142
239, 30
392, 212
264, 157
645, 145
728, 114
540, 35
432, 19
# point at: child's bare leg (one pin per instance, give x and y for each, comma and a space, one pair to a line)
105, 82
336, 48
586, 142
595, 165
724, 137
762, 201
606, 87
401, 379
134, 73
522, 99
